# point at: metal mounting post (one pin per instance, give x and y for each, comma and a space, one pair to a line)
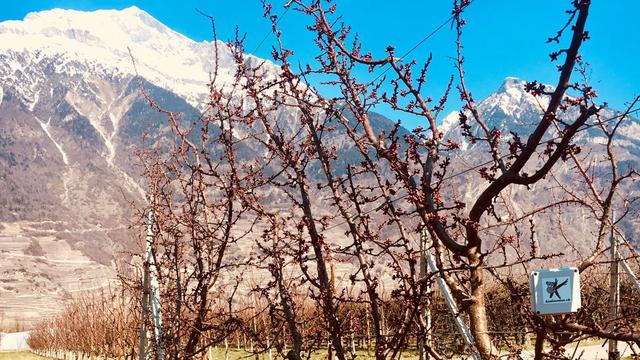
463, 329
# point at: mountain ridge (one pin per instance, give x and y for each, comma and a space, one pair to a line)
113, 40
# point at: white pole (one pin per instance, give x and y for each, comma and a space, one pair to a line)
614, 292
424, 341
154, 289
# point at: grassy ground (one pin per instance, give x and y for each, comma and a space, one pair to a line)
23, 355
218, 353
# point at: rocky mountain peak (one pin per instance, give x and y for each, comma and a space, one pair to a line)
512, 85
511, 100
509, 106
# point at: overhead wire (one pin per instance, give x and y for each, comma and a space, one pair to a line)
424, 39
269, 32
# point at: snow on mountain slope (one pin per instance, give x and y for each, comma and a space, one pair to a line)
511, 109
102, 40
512, 100
510, 106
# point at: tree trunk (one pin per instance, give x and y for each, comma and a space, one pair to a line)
477, 310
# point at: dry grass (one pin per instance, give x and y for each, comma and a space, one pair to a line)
22, 355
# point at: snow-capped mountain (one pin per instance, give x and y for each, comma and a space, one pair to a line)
508, 103
510, 106
513, 109
109, 42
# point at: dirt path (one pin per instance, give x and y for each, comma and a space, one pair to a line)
600, 351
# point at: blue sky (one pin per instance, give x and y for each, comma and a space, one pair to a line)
503, 37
